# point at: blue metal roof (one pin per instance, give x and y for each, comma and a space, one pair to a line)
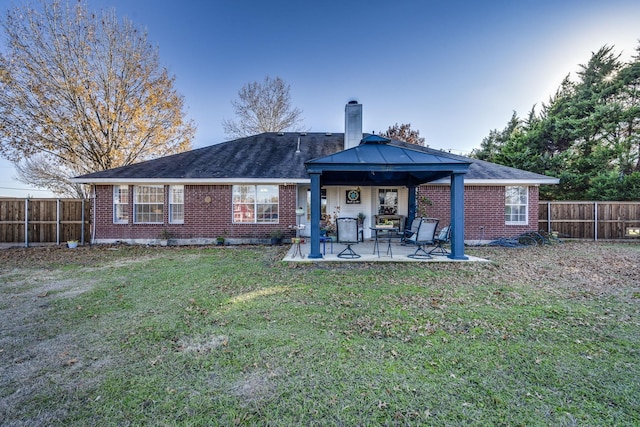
378, 160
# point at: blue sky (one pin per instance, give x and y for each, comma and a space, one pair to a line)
453, 69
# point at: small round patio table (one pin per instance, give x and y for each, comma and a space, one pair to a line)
385, 229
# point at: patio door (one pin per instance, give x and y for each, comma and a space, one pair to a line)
304, 201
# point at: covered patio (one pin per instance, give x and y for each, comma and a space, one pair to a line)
379, 161
398, 253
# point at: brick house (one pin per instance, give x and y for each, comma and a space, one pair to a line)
244, 189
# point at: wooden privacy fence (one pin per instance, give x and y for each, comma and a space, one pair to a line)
44, 220
591, 220
60, 220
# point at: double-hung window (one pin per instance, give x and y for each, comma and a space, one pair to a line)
255, 203
148, 204
176, 204
516, 205
120, 204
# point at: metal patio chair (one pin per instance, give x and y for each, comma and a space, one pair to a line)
423, 237
443, 237
411, 231
347, 231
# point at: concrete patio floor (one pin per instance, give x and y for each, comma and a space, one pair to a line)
398, 253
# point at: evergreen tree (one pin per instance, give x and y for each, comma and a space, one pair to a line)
587, 134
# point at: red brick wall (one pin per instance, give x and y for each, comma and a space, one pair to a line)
207, 214
483, 207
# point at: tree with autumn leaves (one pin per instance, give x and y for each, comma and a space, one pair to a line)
404, 133
82, 92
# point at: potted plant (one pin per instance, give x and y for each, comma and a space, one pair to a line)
361, 218
72, 244
330, 222
276, 237
219, 240
165, 235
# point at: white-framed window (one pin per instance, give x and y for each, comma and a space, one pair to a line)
148, 204
516, 205
255, 203
176, 204
388, 201
120, 204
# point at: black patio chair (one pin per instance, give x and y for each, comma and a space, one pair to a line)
442, 239
347, 231
423, 237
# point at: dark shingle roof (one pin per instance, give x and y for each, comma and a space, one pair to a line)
481, 170
272, 156
267, 155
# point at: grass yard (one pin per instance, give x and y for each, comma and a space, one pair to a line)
231, 336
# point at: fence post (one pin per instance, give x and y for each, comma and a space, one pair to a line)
57, 221
26, 223
595, 221
549, 217
82, 226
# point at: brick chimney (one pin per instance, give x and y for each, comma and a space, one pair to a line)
352, 124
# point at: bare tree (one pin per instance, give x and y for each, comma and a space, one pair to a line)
83, 93
40, 171
404, 133
263, 107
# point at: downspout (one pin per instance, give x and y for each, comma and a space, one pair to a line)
93, 215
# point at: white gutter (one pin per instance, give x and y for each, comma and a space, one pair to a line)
188, 181
542, 181
213, 181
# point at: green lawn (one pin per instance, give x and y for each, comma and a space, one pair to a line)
231, 336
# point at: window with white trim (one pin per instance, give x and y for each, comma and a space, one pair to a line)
388, 201
120, 204
255, 203
516, 204
148, 204
176, 204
